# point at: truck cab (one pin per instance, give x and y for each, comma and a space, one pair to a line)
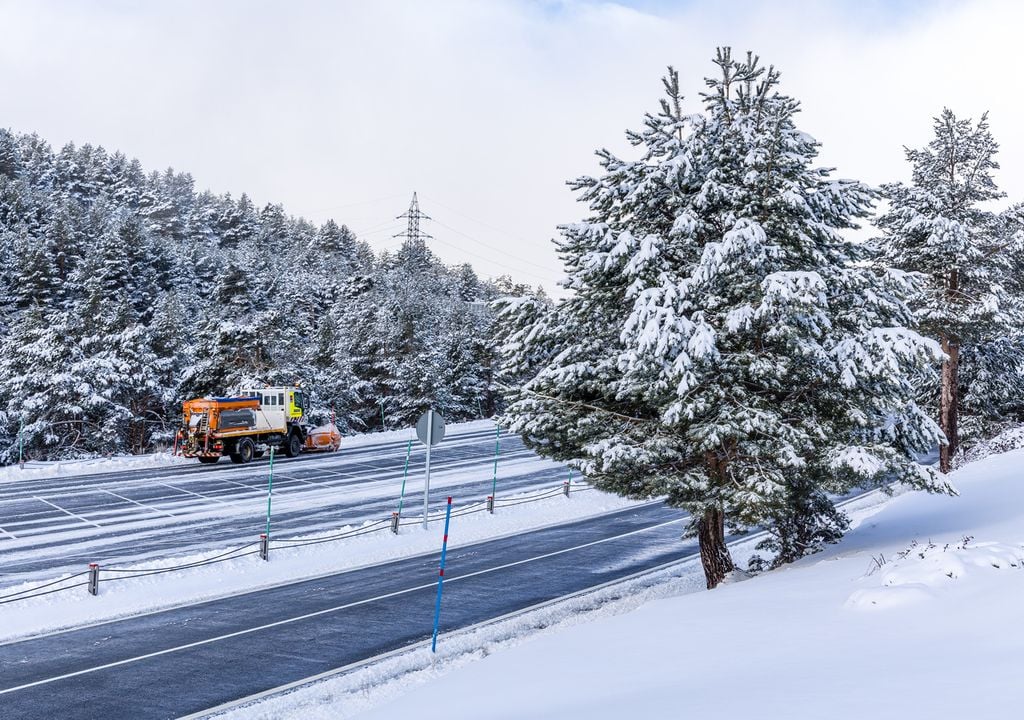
279, 406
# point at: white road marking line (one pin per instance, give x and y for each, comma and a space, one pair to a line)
240, 484
136, 502
13, 537
304, 480
327, 611
332, 472
68, 512
189, 492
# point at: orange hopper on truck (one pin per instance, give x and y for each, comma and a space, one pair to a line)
246, 425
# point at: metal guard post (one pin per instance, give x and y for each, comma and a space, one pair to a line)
94, 579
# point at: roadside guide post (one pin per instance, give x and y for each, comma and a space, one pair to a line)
265, 538
396, 517
94, 579
440, 575
21, 443
497, 449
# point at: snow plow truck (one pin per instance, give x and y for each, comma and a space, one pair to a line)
246, 425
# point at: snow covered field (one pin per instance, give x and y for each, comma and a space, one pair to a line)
915, 614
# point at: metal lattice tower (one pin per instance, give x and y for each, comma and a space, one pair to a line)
413, 215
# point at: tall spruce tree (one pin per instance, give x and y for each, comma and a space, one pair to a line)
723, 343
938, 226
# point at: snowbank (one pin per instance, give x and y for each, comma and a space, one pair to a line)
38, 469
915, 614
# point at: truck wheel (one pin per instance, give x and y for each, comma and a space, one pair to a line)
208, 460
243, 451
293, 445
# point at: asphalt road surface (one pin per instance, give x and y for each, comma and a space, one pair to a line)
185, 660
50, 526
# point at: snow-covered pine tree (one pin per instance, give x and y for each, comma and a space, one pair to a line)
33, 277
938, 226
39, 387
518, 319
10, 155
722, 345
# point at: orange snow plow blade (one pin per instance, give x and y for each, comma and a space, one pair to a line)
325, 438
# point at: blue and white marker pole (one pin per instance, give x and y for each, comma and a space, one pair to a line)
494, 480
396, 517
21, 443
440, 576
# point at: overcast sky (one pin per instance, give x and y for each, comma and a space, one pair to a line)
343, 109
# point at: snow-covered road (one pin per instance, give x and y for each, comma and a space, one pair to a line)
50, 525
190, 658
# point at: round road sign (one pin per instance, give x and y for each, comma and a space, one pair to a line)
437, 432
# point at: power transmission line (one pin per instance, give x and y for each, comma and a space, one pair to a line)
414, 234
491, 247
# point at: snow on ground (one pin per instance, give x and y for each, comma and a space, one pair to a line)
177, 587
1009, 439
38, 469
406, 434
915, 614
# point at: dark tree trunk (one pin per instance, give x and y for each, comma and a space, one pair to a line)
948, 401
949, 397
714, 553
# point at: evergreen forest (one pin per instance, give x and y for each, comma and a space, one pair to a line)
125, 292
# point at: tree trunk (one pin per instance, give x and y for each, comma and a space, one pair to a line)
714, 553
949, 397
948, 401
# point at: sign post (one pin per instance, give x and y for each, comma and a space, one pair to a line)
430, 431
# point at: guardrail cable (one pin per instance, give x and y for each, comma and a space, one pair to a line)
129, 573
179, 567
197, 563
32, 590
47, 592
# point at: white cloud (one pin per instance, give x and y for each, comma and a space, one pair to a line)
484, 108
